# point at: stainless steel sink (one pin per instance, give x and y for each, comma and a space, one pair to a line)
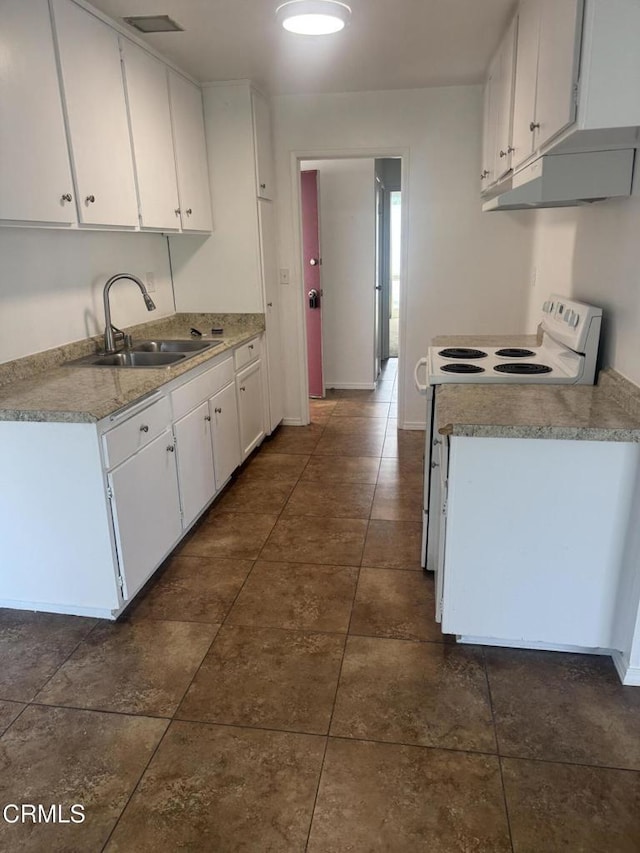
173, 346
160, 353
137, 359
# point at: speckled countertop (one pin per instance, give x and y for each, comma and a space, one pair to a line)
486, 341
43, 388
569, 412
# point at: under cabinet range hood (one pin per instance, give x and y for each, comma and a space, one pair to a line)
568, 180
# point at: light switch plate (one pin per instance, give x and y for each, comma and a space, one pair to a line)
284, 276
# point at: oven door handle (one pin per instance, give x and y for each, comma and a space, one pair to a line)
422, 389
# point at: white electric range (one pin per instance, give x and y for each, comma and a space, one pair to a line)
567, 354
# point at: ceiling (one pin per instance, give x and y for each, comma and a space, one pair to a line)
390, 44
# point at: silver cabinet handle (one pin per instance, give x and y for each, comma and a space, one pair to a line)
263, 186
484, 175
510, 149
188, 211
171, 448
144, 428
503, 154
435, 464
242, 388
66, 197
90, 199
207, 417
269, 304
218, 411
177, 211
534, 126
250, 346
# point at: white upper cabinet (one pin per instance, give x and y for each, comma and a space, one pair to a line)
558, 64
263, 148
35, 175
150, 119
524, 106
93, 93
504, 98
191, 153
488, 132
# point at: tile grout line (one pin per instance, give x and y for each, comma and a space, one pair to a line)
495, 734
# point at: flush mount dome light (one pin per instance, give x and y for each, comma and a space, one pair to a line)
313, 17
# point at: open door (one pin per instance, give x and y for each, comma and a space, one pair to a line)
311, 272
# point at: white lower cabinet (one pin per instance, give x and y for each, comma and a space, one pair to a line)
146, 511
250, 407
225, 433
195, 462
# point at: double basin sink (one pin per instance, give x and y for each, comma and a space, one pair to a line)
161, 353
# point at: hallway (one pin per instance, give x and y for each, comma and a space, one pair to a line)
281, 685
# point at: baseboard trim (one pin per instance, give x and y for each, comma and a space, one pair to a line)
291, 422
526, 644
67, 609
350, 386
416, 425
629, 675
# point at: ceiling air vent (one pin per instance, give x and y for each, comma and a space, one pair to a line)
154, 24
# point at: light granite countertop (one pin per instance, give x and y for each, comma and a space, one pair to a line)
43, 388
486, 341
569, 412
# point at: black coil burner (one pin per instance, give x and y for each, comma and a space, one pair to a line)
525, 369
462, 352
515, 352
462, 368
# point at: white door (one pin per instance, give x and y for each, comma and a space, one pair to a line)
250, 407
524, 104
97, 115
263, 148
195, 462
150, 119
35, 174
558, 63
191, 153
270, 294
146, 510
225, 433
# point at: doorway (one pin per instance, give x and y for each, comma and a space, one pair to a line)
347, 260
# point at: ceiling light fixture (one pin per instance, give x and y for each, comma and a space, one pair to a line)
313, 17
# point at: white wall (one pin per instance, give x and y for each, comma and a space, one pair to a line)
465, 272
346, 190
221, 273
593, 254
51, 285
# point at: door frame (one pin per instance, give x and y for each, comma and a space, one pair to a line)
375, 153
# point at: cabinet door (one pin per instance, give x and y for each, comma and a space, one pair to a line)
488, 137
270, 292
263, 147
97, 117
558, 64
150, 119
250, 407
146, 511
524, 104
504, 135
35, 175
191, 153
195, 462
225, 433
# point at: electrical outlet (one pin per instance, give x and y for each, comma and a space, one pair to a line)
151, 282
284, 276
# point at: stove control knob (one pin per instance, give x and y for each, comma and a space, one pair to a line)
546, 307
568, 316
576, 320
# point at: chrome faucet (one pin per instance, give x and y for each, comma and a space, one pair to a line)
110, 331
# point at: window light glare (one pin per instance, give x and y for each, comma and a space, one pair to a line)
313, 17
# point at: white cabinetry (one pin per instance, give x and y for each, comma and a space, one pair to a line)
223, 408
195, 462
524, 104
93, 93
265, 183
35, 175
250, 407
151, 136
146, 511
497, 145
191, 153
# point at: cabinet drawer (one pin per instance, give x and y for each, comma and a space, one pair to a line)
194, 392
125, 439
246, 353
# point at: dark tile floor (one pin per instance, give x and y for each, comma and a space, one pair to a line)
281, 685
